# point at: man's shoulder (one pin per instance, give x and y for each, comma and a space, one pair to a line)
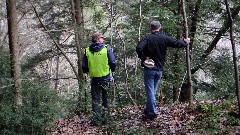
153, 34
108, 47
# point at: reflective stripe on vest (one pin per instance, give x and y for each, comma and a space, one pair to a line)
98, 63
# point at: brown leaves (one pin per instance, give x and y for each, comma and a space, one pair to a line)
171, 120
74, 126
175, 119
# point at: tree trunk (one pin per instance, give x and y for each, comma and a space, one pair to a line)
234, 53
189, 78
176, 78
111, 44
223, 30
57, 74
77, 8
139, 34
78, 12
125, 69
14, 49
176, 89
194, 20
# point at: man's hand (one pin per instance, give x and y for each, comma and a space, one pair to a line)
85, 76
187, 40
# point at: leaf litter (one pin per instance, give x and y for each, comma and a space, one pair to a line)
171, 120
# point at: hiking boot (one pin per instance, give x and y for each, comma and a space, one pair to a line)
94, 123
148, 117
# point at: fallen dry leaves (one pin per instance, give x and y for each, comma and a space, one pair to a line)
175, 119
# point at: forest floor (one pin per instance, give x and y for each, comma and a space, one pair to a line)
172, 119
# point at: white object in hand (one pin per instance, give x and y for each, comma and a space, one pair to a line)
149, 63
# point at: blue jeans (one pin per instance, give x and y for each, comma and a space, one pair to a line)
152, 78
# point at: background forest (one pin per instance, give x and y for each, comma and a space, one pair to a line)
42, 43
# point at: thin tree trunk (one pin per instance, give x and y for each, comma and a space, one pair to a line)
194, 20
78, 11
57, 73
139, 33
176, 88
79, 38
51, 71
125, 69
139, 38
14, 49
234, 53
189, 79
193, 29
111, 25
111, 43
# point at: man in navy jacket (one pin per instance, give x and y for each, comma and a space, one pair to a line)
152, 51
99, 62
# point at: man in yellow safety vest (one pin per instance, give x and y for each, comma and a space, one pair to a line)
99, 61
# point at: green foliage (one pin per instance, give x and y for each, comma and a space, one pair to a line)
211, 117
41, 106
4, 65
222, 73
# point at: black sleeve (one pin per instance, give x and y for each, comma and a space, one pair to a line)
140, 48
176, 43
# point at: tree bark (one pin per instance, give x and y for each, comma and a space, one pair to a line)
139, 34
14, 49
234, 53
193, 29
77, 8
176, 71
57, 74
189, 78
111, 44
194, 20
79, 35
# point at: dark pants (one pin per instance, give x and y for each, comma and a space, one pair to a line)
100, 91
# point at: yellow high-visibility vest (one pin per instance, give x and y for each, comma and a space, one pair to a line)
98, 63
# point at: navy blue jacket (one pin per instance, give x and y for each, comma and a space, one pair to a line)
96, 47
155, 45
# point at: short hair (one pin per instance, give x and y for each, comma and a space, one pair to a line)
155, 25
96, 36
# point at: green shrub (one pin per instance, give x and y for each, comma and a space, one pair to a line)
41, 106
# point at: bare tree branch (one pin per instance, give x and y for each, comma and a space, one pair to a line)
55, 42
125, 68
220, 33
